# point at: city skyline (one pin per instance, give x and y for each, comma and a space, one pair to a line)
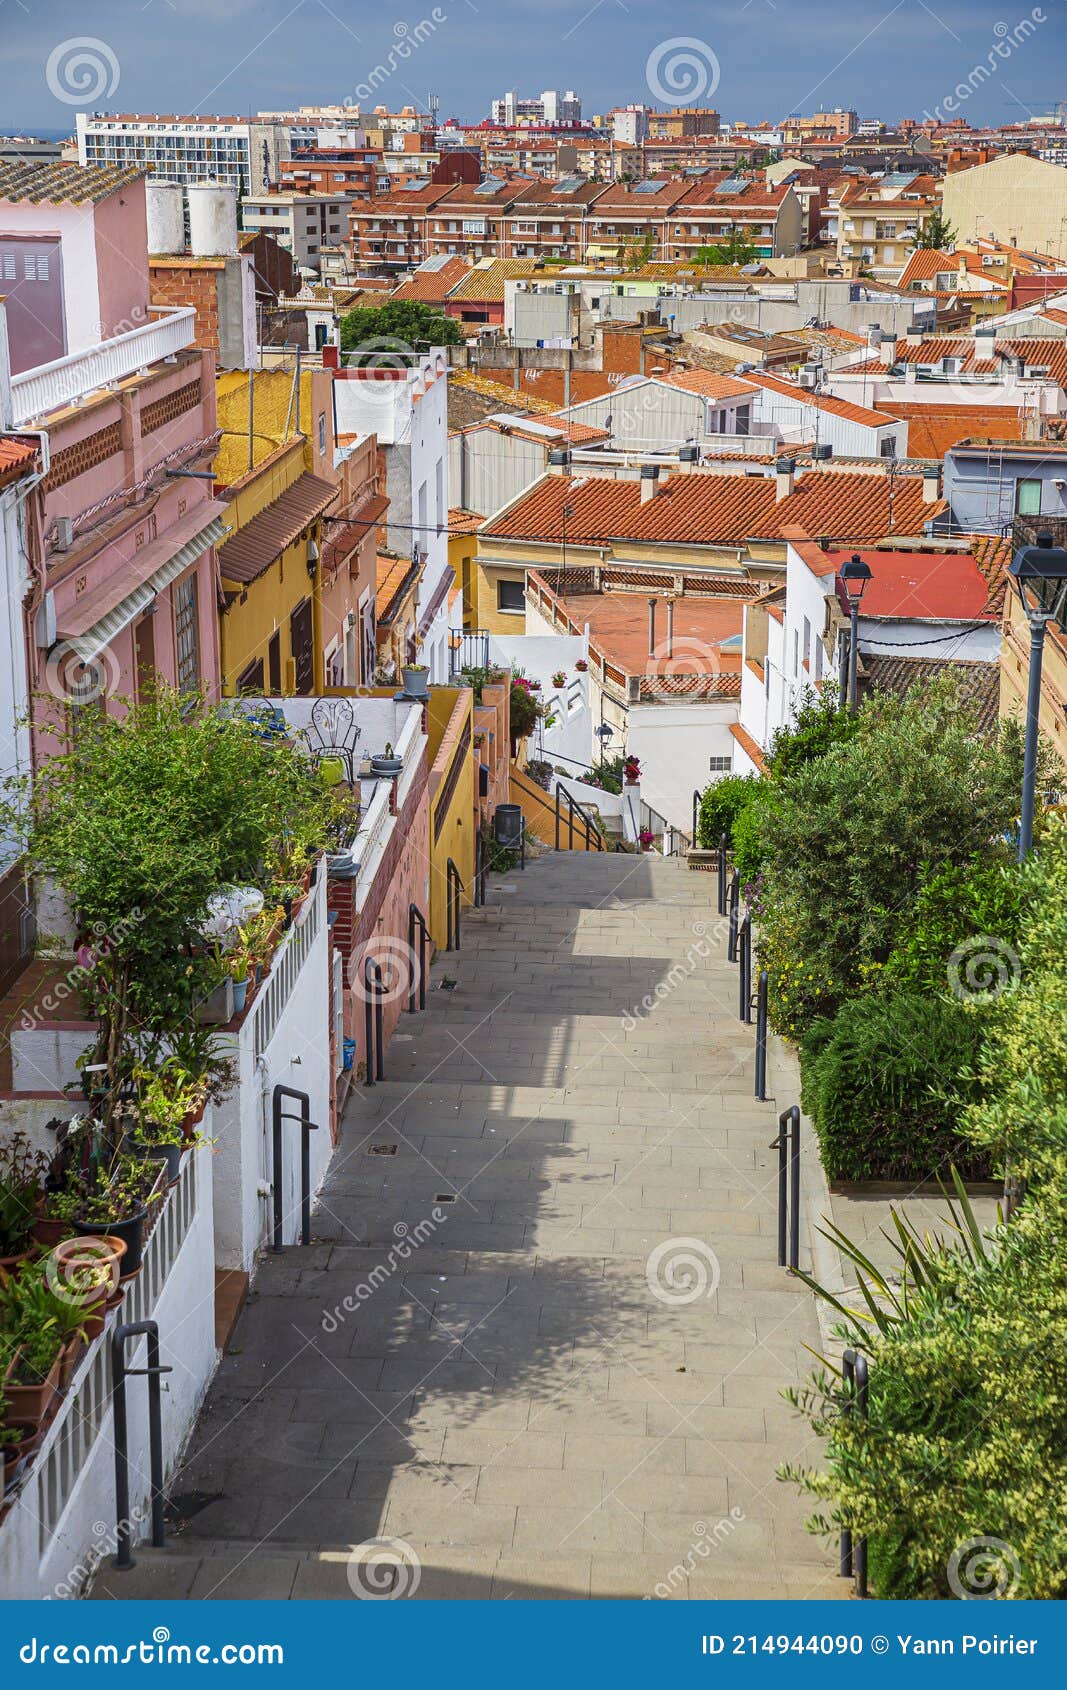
759, 60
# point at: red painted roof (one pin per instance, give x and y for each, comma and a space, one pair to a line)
920, 585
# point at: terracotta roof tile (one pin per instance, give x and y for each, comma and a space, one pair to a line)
16, 457
897, 675
821, 401
395, 579
717, 510
708, 383
934, 429
432, 283
1033, 349
464, 522
62, 184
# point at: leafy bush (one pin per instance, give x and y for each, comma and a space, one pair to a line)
883, 1085
968, 1415
394, 333
720, 805
819, 725
851, 835
962, 911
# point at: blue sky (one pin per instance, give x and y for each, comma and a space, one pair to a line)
765, 57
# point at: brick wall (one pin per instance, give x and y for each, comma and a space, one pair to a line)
195, 283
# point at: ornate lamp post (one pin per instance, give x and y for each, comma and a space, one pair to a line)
852, 580
1040, 575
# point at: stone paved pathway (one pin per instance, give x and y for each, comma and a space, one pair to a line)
551, 1397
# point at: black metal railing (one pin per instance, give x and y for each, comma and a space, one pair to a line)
471, 651
787, 1145
480, 867
416, 919
455, 888
589, 834
120, 1433
744, 971
696, 814
734, 917
855, 1376
762, 1005
307, 1127
373, 1020
722, 874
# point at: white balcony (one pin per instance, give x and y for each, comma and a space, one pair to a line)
66, 381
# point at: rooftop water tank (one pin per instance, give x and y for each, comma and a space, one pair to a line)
212, 220
165, 205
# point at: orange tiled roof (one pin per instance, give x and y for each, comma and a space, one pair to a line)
822, 401
934, 429
992, 553
716, 510
1033, 350
429, 285
707, 383
464, 522
16, 456
390, 576
926, 263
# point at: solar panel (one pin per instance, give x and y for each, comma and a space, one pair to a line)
491, 185
733, 185
570, 184
648, 187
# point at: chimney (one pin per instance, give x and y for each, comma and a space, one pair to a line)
887, 351
649, 482
670, 628
784, 477
559, 461
651, 627
915, 334
689, 455
931, 484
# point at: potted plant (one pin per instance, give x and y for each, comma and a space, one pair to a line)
647, 839
239, 971
86, 1272
41, 1330
18, 1441
631, 771
385, 763
120, 1206
23, 1172
581, 665
164, 1106
414, 679
559, 679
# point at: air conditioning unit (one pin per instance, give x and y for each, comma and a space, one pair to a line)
62, 534
809, 375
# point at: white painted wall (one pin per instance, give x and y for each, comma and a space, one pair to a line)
14, 695
674, 742
64, 1518
540, 656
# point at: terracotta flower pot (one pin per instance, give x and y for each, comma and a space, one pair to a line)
17, 1456
31, 1404
49, 1231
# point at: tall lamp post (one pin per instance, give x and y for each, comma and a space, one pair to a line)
852, 580
1040, 575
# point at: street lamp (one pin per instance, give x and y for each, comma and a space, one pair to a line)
604, 733
852, 579
1040, 574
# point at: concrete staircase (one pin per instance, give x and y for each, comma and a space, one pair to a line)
540, 1340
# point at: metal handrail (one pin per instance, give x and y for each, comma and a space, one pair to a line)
120, 1432
855, 1374
696, 813
417, 919
762, 1006
479, 868
722, 874
734, 913
373, 1019
592, 832
454, 887
744, 958
787, 1145
307, 1127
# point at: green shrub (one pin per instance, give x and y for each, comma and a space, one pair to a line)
968, 1417
720, 806
883, 1082
966, 917
748, 835
850, 836
819, 725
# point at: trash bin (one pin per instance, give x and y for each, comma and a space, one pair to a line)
507, 825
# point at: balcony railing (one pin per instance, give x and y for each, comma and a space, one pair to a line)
50, 387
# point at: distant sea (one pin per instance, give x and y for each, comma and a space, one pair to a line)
37, 134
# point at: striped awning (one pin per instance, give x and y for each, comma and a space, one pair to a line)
88, 628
